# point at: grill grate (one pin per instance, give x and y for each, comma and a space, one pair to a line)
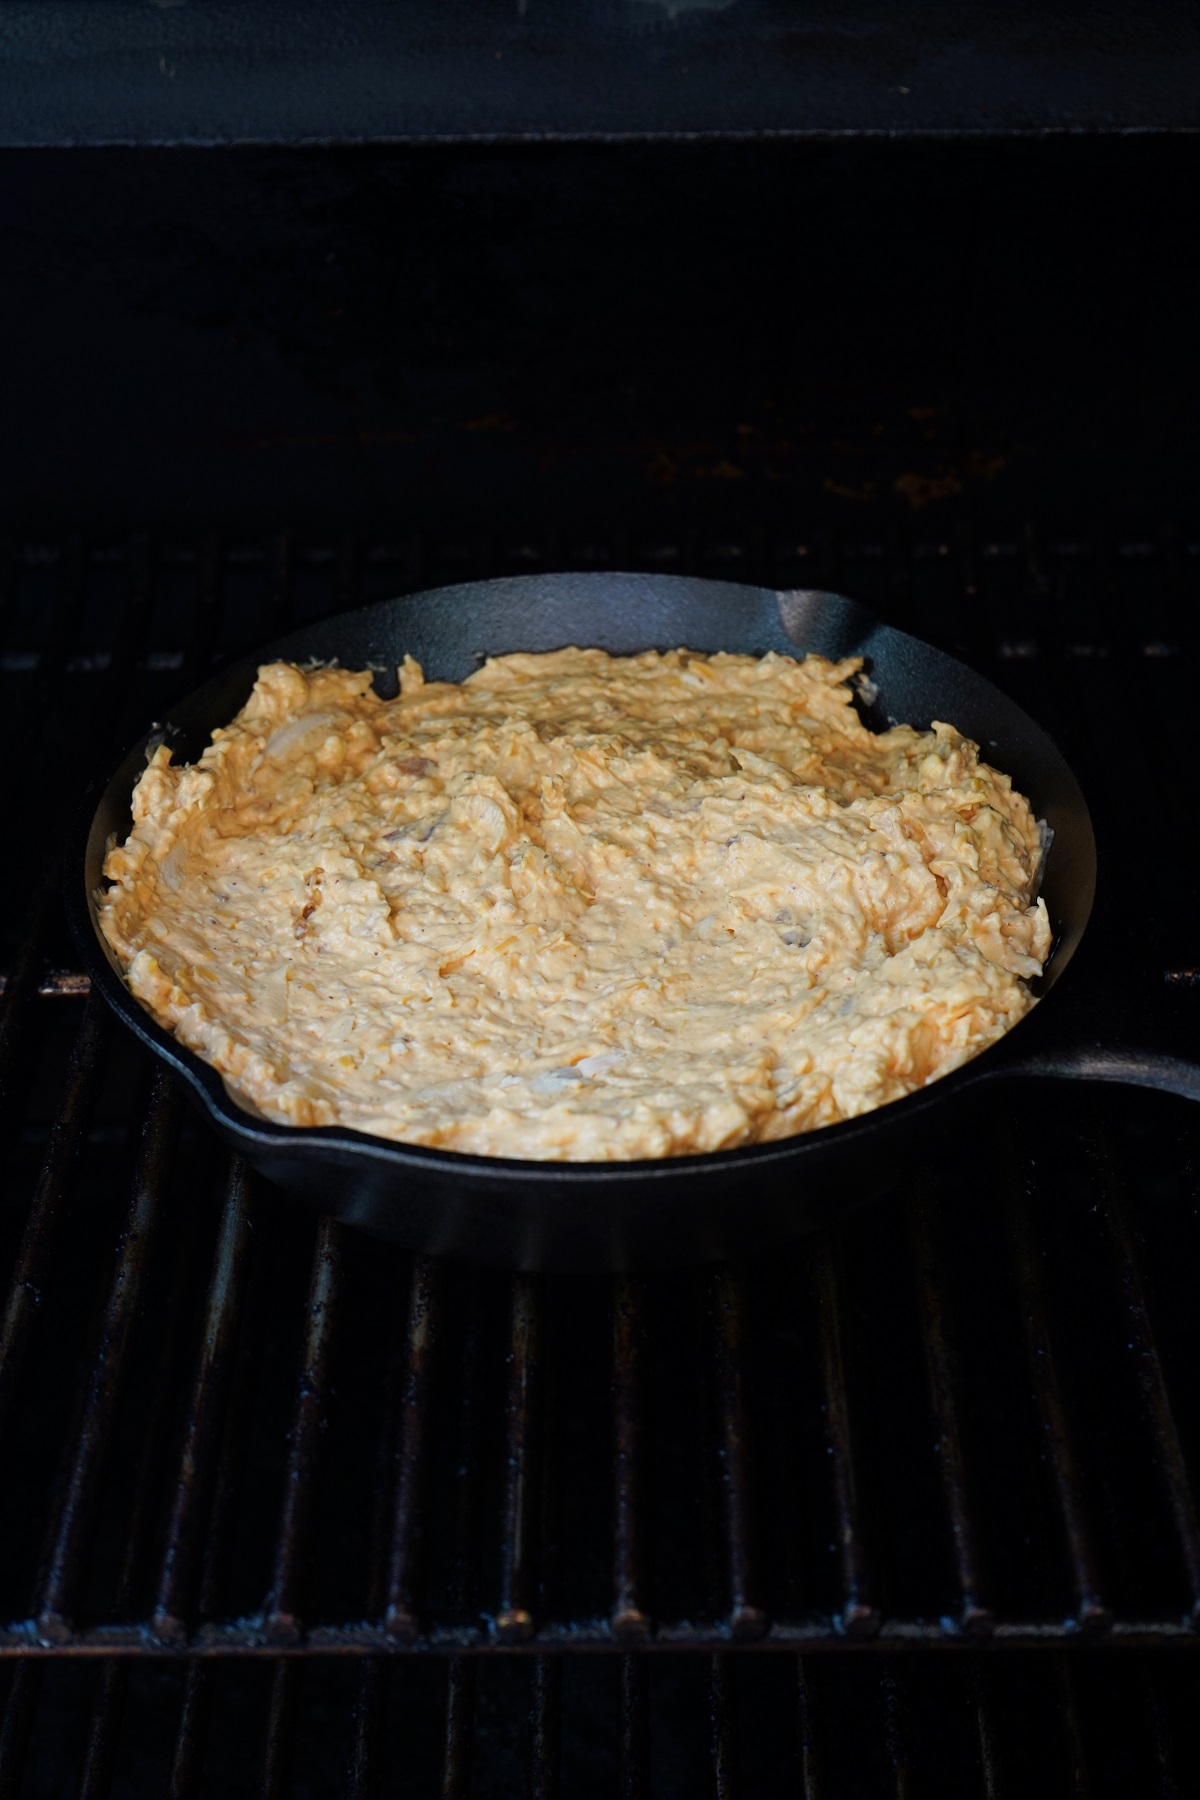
673, 1728
964, 1417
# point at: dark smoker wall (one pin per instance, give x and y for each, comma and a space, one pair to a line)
592, 337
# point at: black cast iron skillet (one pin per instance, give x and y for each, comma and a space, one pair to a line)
580, 1215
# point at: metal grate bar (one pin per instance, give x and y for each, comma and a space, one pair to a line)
75, 1512
628, 1616
199, 1455
460, 1729
1079, 1774
100, 1755
1090, 1610
57, 984
196, 1709
522, 1419
550, 1510
1162, 1748
48, 1208
279, 1750
16, 1725
424, 1328
727, 1320
281, 1622
858, 1616
369, 1707
986, 1736
810, 1750
187, 1759
545, 1720
1159, 1412
467, 1467
421, 1328
896, 1730
724, 1758
944, 1384
633, 1752
113, 1682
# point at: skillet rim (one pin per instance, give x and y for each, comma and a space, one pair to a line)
342, 1141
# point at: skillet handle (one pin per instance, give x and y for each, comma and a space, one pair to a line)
1080, 1044
1090, 1058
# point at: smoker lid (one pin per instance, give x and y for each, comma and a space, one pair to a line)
302, 71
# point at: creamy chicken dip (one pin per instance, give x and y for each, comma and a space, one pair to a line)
578, 907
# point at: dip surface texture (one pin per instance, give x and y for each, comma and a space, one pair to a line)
578, 907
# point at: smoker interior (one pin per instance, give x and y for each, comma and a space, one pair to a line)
285, 1511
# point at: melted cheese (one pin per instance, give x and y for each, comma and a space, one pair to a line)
578, 907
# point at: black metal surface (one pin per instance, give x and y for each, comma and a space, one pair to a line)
376, 337
398, 1492
268, 72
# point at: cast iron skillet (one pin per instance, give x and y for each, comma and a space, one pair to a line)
533, 1214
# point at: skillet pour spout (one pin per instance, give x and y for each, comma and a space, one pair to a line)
684, 1209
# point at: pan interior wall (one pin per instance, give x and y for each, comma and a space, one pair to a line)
475, 337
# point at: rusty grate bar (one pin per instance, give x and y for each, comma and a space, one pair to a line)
460, 1728
520, 1523
47, 1210
1079, 1774
196, 1708
896, 1729
280, 1746
973, 1616
1061, 1456
183, 1780
100, 1755
633, 1754
282, 1621
986, 1734
628, 1614
362, 1777
396, 1526
858, 1616
53, 984
468, 1471
16, 1726
113, 1682
1159, 1411
545, 1729
727, 1324
810, 1750
200, 1452
424, 1327
723, 1735
75, 1511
